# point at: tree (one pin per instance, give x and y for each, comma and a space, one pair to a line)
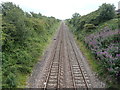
36, 15
107, 12
76, 15
27, 14
75, 18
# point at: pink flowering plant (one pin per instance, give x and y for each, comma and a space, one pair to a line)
105, 46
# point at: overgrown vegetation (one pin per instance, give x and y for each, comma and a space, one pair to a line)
99, 32
24, 37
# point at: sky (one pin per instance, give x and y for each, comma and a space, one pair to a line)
61, 9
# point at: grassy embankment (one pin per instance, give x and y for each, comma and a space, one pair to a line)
93, 62
99, 41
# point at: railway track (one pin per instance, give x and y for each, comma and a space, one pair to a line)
64, 67
54, 77
79, 75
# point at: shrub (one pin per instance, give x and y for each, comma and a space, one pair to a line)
119, 23
24, 69
118, 16
24, 37
81, 26
11, 81
89, 26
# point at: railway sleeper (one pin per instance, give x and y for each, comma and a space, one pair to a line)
54, 71
75, 67
53, 77
52, 81
80, 86
52, 85
76, 70
55, 66
53, 74
78, 78
78, 75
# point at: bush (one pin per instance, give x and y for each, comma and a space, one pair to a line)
81, 26
119, 23
89, 26
11, 81
118, 16
24, 39
24, 69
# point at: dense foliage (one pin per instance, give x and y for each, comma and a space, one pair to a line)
104, 13
107, 12
100, 34
24, 37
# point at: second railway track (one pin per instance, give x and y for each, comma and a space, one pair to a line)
79, 75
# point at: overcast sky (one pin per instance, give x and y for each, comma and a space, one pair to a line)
61, 9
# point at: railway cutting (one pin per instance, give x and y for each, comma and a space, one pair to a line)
63, 65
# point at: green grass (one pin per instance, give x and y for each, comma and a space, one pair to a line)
22, 80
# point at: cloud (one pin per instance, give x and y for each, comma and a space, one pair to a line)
61, 9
